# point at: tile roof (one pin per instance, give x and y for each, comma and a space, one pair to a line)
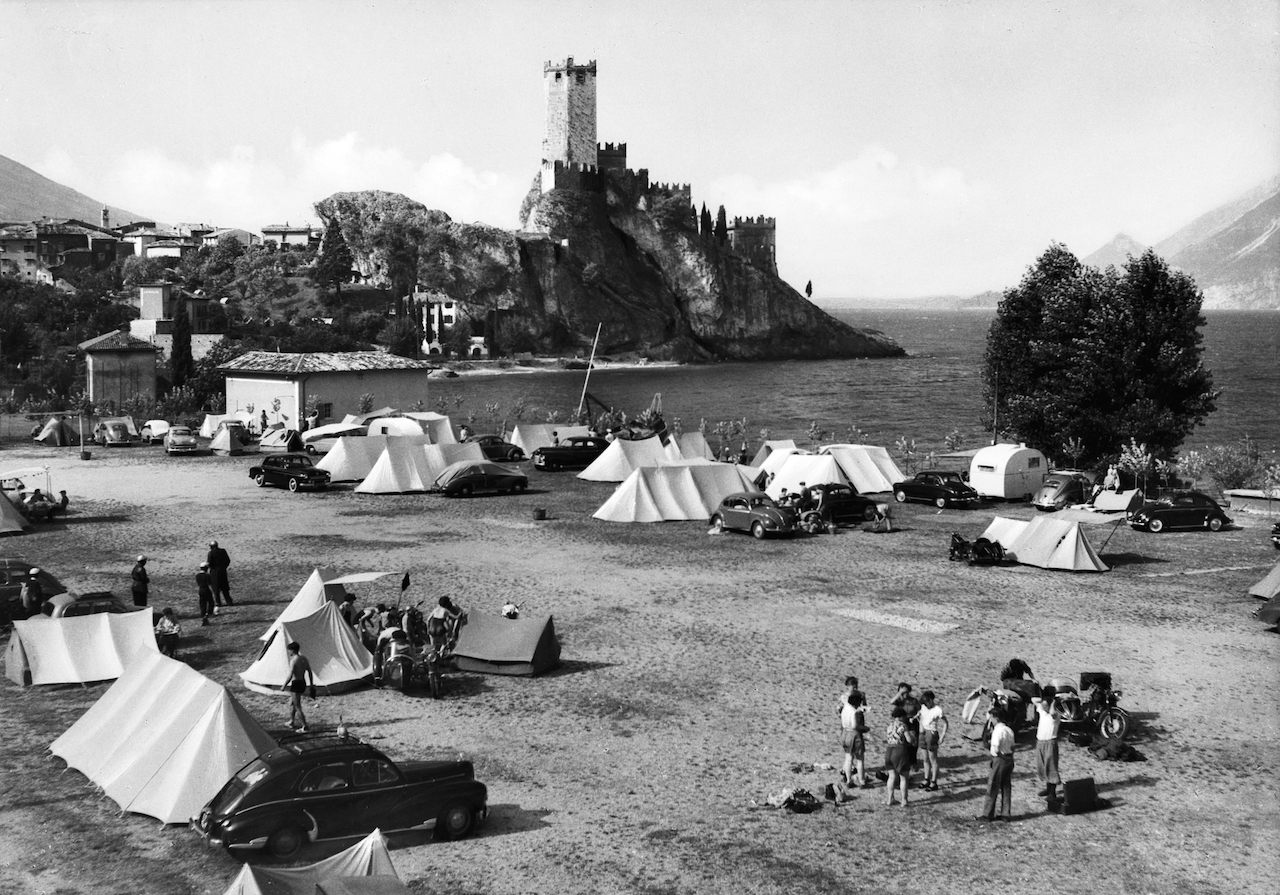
320, 362
116, 340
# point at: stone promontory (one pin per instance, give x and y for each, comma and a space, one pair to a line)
635, 264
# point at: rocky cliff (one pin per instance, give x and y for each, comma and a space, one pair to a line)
629, 260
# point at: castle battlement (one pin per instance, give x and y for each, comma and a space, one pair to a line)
558, 175
761, 221
568, 66
611, 147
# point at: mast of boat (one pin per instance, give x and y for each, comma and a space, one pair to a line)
591, 363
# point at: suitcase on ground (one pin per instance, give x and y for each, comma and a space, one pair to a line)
1079, 796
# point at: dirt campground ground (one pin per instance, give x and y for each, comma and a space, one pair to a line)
700, 676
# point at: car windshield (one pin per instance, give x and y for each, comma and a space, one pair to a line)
951, 478
179, 430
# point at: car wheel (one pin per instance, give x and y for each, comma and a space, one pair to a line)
900, 496
717, 524
293, 484
519, 487
456, 821
286, 841
1214, 523
261, 480
869, 512
1155, 525
940, 503
465, 491
757, 530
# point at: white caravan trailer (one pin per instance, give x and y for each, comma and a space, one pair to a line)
1008, 471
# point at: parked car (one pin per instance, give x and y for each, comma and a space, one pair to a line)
13, 574
841, 505
576, 451
756, 512
942, 489
322, 439
112, 433
180, 440
238, 428
153, 431
328, 787
1062, 488
466, 477
496, 449
291, 470
1180, 509
66, 605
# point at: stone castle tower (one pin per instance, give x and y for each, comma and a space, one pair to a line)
570, 137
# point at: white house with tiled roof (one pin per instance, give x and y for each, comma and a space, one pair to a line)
283, 384
287, 234
119, 367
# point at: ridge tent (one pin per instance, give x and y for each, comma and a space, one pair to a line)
812, 469
226, 442
869, 468
1269, 612
774, 462
1269, 587
12, 522
407, 465
364, 419
1118, 501
338, 659
57, 432
531, 436
76, 650
368, 858
668, 493
769, 447
322, 586
693, 445
209, 427
163, 739
281, 440
1008, 471
491, 644
1046, 542
438, 427
622, 458
352, 457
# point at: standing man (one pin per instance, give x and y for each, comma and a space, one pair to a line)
1000, 783
1047, 744
140, 581
218, 563
296, 684
32, 593
204, 593
853, 727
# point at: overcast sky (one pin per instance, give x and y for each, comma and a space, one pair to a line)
905, 148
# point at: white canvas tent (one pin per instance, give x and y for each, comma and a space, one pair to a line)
353, 456
367, 858
11, 519
437, 427
406, 467
1047, 542
769, 447
226, 442
211, 420
338, 659
76, 650
868, 468
690, 446
667, 493
280, 440
322, 586
622, 458
812, 469
1118, 501
1269, 587
58, 432
531, 436
163, 739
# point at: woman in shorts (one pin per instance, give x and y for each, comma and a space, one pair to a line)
933, 730
899, 747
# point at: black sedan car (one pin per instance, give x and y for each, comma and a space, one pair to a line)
942, 489
840, 505
495, 448
331, 787
756, 512
1181, 509
466, 477
292, 471
1062, 488
575, 452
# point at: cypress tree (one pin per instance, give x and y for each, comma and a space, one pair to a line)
182, 364
722, 227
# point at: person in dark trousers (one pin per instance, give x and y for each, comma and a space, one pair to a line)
1000, 783
141, 581
219, 561
296, 683
204, 592
32, 593
167, 633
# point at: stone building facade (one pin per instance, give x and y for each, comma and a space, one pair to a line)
119, 367
756, 240
570, 136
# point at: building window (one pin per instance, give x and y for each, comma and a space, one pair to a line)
326, 411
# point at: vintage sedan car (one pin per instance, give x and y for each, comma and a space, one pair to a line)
13, 574
575, 452
291, 470
495, 448
756, 512
330, 787
112, 433
153, 431
466, 477
66, 605
840, 505
180, 440
1180, 509
1062, 488
323, 439
238, 429
942, 489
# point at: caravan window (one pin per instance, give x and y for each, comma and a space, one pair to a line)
1033, 463
984, 468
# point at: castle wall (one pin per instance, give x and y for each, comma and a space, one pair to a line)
756, 240
571, 112
611, 157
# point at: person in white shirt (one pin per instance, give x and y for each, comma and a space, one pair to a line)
1000, 783
853, 727
1047, 744
933, 730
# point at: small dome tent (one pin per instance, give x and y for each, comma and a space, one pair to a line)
1008, 471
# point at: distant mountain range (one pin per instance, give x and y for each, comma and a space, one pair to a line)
28, 196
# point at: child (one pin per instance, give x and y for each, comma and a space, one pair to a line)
933, 730
167, 633
852, 729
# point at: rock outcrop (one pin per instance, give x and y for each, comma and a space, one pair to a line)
632, 262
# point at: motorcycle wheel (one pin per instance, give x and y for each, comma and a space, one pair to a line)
1114, 724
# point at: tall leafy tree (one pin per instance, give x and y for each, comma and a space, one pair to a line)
1099, 359
334, 264
181, 363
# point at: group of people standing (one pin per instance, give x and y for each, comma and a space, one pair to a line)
916, 725
213, 590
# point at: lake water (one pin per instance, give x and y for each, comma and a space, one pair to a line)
936, 388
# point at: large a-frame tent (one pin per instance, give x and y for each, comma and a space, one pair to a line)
1269, 587
407, 467
769, 447
668, 493
209, 426
1046, 542
868, 468
531, 436
12, 522
280, 440
163, 739
690, 446
437, 427
353, 456
76, 650
491, 644
622, 458
811, 469
226, 442
58, 432
367, 859
338, 659
322, 586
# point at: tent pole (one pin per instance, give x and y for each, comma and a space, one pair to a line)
587, 378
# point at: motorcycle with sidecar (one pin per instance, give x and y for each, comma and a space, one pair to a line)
1092, 707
